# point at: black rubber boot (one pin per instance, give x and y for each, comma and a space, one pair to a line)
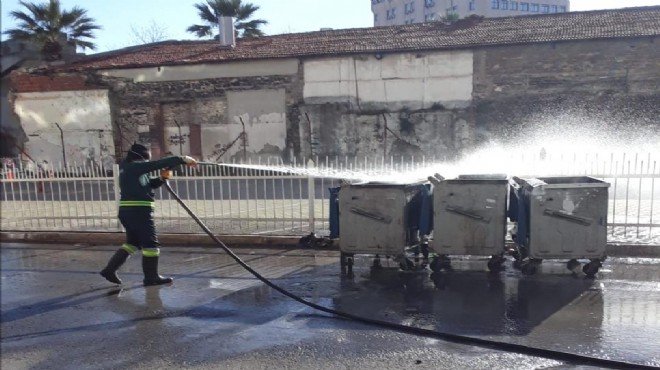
150, 268
110, 271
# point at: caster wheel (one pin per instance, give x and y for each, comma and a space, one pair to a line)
573, 265
407, 265
496, 264
439, 280
517, 264
591, 268
346, 264
528, 268
435, 265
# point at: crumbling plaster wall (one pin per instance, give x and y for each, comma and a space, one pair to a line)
404, 104
85, 134
208, 103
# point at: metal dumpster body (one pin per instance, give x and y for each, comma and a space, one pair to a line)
378, 218
560, 218
469, 218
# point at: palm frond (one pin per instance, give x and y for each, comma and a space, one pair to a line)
206, 13
200, 31
246, 11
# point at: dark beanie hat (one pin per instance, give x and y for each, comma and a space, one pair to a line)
138, 152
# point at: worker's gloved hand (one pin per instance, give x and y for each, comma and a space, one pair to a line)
190, 161
166, 174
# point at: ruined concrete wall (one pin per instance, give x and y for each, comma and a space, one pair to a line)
408, 104
611, 85
198, 109
83, 118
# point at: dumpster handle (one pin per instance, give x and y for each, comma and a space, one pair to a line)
467, 214
572, 218
371, 215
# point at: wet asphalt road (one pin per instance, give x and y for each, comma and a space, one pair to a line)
57, 313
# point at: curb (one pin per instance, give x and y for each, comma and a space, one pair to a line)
99, 238
173, 239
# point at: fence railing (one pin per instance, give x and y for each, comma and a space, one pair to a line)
273, 198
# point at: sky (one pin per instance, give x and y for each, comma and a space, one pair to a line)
172, 17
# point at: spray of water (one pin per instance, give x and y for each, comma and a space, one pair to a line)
562, 144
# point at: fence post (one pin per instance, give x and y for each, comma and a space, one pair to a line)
311, 195
115, 182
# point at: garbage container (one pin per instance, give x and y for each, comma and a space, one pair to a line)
469, 218
380, 219
559, 218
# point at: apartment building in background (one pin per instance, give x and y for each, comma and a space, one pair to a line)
396, 12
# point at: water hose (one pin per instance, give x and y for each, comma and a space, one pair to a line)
502, 346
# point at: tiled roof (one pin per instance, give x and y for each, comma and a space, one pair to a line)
469, 32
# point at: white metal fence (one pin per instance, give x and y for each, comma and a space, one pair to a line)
272, 198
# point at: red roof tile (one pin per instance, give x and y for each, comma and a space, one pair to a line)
469, 32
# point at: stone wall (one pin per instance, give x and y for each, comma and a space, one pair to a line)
612, 85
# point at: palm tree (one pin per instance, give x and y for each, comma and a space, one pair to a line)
44, 24
212, 10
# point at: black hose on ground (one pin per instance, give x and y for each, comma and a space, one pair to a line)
502, 346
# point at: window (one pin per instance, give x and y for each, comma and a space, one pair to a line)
545, 8
535, 8
429, 17
562, 9
524, 7
472, 6
374, 2
514, 5
375, 18
429, 3
391, 13
410, 21
553, 9
494, 4
410, 7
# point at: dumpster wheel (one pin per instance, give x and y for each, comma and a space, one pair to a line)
502, 346
591, 269
496, 263
530, 266
346, 264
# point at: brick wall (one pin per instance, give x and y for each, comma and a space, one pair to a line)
23, 82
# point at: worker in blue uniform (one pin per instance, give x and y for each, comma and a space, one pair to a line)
136, 211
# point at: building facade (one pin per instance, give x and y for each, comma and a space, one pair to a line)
397, 12
432, 89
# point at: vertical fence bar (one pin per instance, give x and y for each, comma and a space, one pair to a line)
222, 196
248, 174
310, 201
214, 181
230, 196
652, 199
639, 196
290, 205
625, 214
614, 195
51, 179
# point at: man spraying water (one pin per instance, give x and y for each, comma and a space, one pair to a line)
136, 211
